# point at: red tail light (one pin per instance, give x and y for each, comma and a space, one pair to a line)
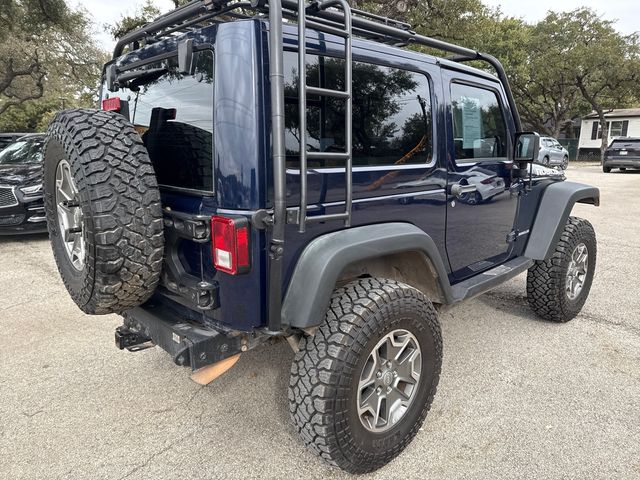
111, 104
230, 241
488, 181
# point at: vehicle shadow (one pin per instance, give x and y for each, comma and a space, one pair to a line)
514, 305
40, 236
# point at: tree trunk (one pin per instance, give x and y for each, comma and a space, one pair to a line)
605, 134
557, 128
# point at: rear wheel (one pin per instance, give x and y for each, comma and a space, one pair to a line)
545, 161
103, 210
558, 287
473, 198
362, 385
606, 169
565, 163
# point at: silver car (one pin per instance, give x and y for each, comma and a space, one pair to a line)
552, 153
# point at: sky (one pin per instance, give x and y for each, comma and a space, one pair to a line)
626, 12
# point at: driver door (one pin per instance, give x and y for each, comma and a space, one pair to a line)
481, 210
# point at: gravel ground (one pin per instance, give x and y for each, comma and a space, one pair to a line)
518, 397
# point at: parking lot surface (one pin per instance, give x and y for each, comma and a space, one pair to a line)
518, 397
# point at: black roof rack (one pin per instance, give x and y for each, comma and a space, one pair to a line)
365, 25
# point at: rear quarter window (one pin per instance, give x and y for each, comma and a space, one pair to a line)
392, 118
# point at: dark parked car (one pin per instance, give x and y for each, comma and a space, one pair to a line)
241, 184
7, 139
21, 200
623, 153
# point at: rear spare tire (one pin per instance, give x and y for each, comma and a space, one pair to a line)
103, 210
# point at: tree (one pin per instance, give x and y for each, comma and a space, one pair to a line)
587, 64
547, 98
46, 52
143, 15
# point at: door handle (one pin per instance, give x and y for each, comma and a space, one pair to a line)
458, 190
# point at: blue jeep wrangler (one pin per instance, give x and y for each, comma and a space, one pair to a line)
282, 169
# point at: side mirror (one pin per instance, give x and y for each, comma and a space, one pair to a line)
527, 147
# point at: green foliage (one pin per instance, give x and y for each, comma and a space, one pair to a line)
599, 63
46, 52
560, 68
143, 15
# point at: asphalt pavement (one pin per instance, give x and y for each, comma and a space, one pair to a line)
518, 398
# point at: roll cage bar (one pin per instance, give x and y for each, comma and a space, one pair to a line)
328, 16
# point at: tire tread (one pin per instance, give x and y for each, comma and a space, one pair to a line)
123, 212
325, 362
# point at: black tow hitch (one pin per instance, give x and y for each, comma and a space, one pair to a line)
189, 344
131, 340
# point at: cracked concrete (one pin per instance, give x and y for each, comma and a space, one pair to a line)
518, 397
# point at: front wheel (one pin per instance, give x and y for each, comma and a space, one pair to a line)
558, 287
606, 169
565, 163
361, 386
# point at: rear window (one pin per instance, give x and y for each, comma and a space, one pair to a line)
625, 144
173, 113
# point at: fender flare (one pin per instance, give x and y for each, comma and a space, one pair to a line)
553, 212
319, 266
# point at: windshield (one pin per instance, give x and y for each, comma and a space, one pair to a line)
22, 152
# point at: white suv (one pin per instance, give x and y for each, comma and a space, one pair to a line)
552, 153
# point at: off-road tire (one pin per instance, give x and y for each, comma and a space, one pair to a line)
120, 204
547, 280
326, 371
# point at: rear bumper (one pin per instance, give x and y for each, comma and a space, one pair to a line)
633, 162
189, 344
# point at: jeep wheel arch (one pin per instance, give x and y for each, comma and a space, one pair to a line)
553, 212
341, 255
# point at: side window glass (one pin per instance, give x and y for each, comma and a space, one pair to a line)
479, 129
391, 113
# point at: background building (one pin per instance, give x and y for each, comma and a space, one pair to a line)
624, 122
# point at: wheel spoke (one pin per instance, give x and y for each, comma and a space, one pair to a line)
406, 369
77, 247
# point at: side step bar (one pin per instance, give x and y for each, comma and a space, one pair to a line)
490, 279
189, 344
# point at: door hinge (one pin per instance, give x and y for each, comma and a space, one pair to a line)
512, 236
